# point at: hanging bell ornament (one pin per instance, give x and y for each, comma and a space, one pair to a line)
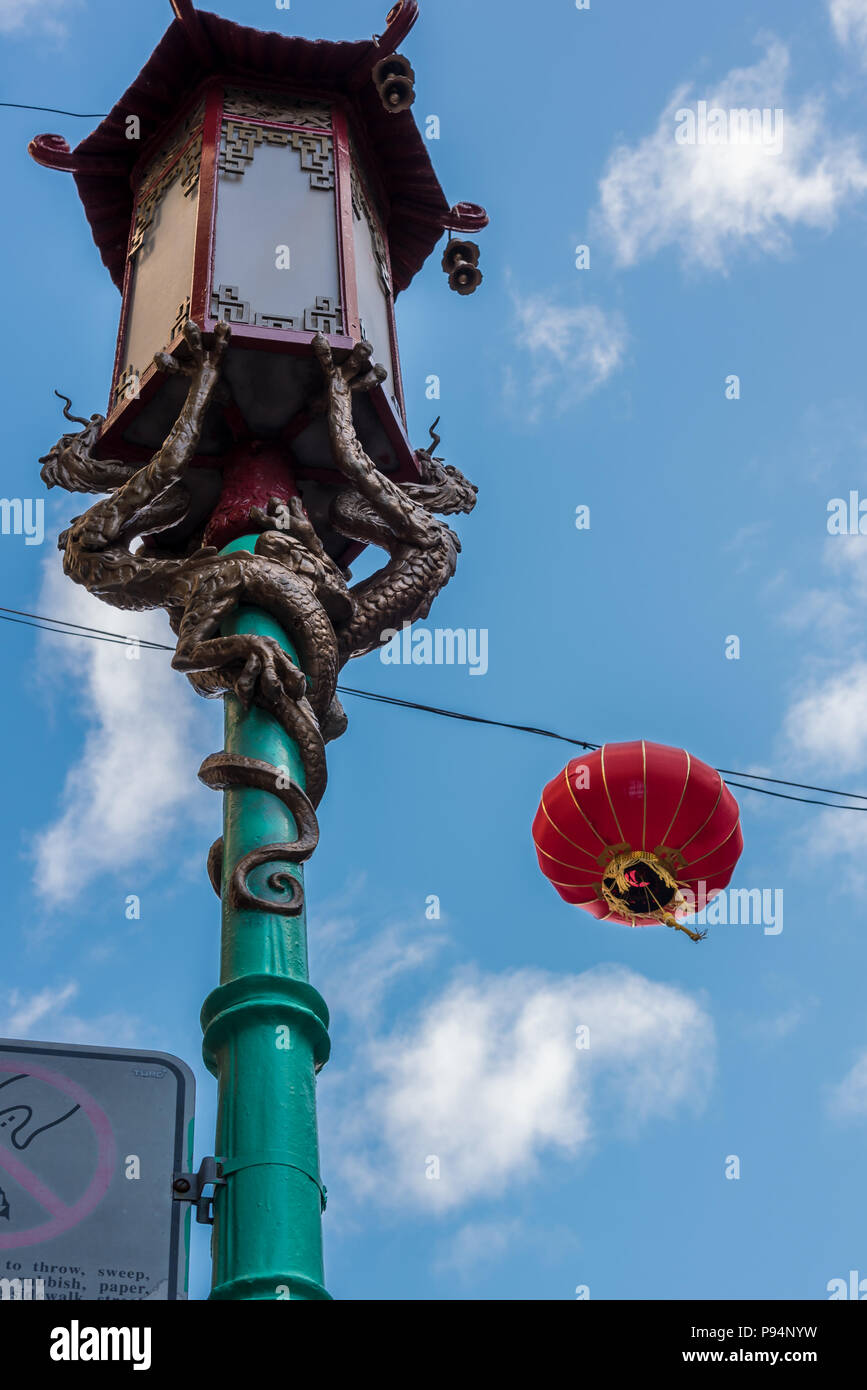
461, 264
394, 78
457, 251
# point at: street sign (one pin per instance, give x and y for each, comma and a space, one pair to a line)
90, 1138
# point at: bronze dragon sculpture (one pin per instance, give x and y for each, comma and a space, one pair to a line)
289, 576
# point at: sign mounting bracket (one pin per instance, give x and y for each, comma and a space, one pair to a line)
190, 1187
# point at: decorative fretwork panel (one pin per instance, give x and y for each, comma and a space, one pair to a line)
325, 316
182, 136
227, 304
180, 318
241, 139
128, 385
187, 170
256, 106
284, 321
361, 206
359, 176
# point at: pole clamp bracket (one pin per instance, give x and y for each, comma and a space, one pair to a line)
278, 1159
190, 1187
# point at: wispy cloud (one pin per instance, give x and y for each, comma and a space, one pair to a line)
468, 1096
832, 611
836, 838
26, 17
479, 1244
827, 724
849, 22
714, 201
824, 726
45, 1015
360, 970
848, 1100
782, 1025
571, 349
746, 545
134, 782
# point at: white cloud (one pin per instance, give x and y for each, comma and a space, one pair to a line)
360, 969
25, 17
824, 727
827, 725
783, 1024
45, 1015
840, 838
573, 351
833, 614
488, 1080
837, 611
747, 544
849, 1097
479, 1243
135, 780
849, 22
713, 201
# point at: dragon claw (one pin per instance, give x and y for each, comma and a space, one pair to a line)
322, 348
201, 356
193, 337
270, 669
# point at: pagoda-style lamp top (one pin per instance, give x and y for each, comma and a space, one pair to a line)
280, 184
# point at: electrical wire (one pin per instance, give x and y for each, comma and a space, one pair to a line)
469, 718
55, 111
61, 627
99, 631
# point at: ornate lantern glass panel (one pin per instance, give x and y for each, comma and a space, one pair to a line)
256, 208
160, 258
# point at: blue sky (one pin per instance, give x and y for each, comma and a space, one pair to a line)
561, 387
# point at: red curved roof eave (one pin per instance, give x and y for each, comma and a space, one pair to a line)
102, 163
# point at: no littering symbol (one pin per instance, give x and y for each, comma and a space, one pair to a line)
15, 1170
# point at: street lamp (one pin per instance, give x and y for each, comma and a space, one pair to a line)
260, 201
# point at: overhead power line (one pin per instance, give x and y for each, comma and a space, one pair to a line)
81, 630
61, 627
55, 111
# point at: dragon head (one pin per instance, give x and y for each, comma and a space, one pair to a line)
58, 465
443, 488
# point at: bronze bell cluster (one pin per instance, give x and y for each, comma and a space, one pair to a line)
394, 78
461, 265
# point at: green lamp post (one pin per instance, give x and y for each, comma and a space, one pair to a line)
265, 1030
260, 201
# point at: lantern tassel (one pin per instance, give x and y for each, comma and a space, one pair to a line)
671, 921
616, 873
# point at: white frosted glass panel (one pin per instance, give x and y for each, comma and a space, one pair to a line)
162, 276
372, 297
270, 205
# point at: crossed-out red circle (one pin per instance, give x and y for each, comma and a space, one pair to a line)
64, 1217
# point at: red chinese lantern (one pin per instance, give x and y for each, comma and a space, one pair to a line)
638, 833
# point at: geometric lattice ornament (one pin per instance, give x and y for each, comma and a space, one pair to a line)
241, 139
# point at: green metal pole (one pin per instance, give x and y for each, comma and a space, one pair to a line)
265, 1036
